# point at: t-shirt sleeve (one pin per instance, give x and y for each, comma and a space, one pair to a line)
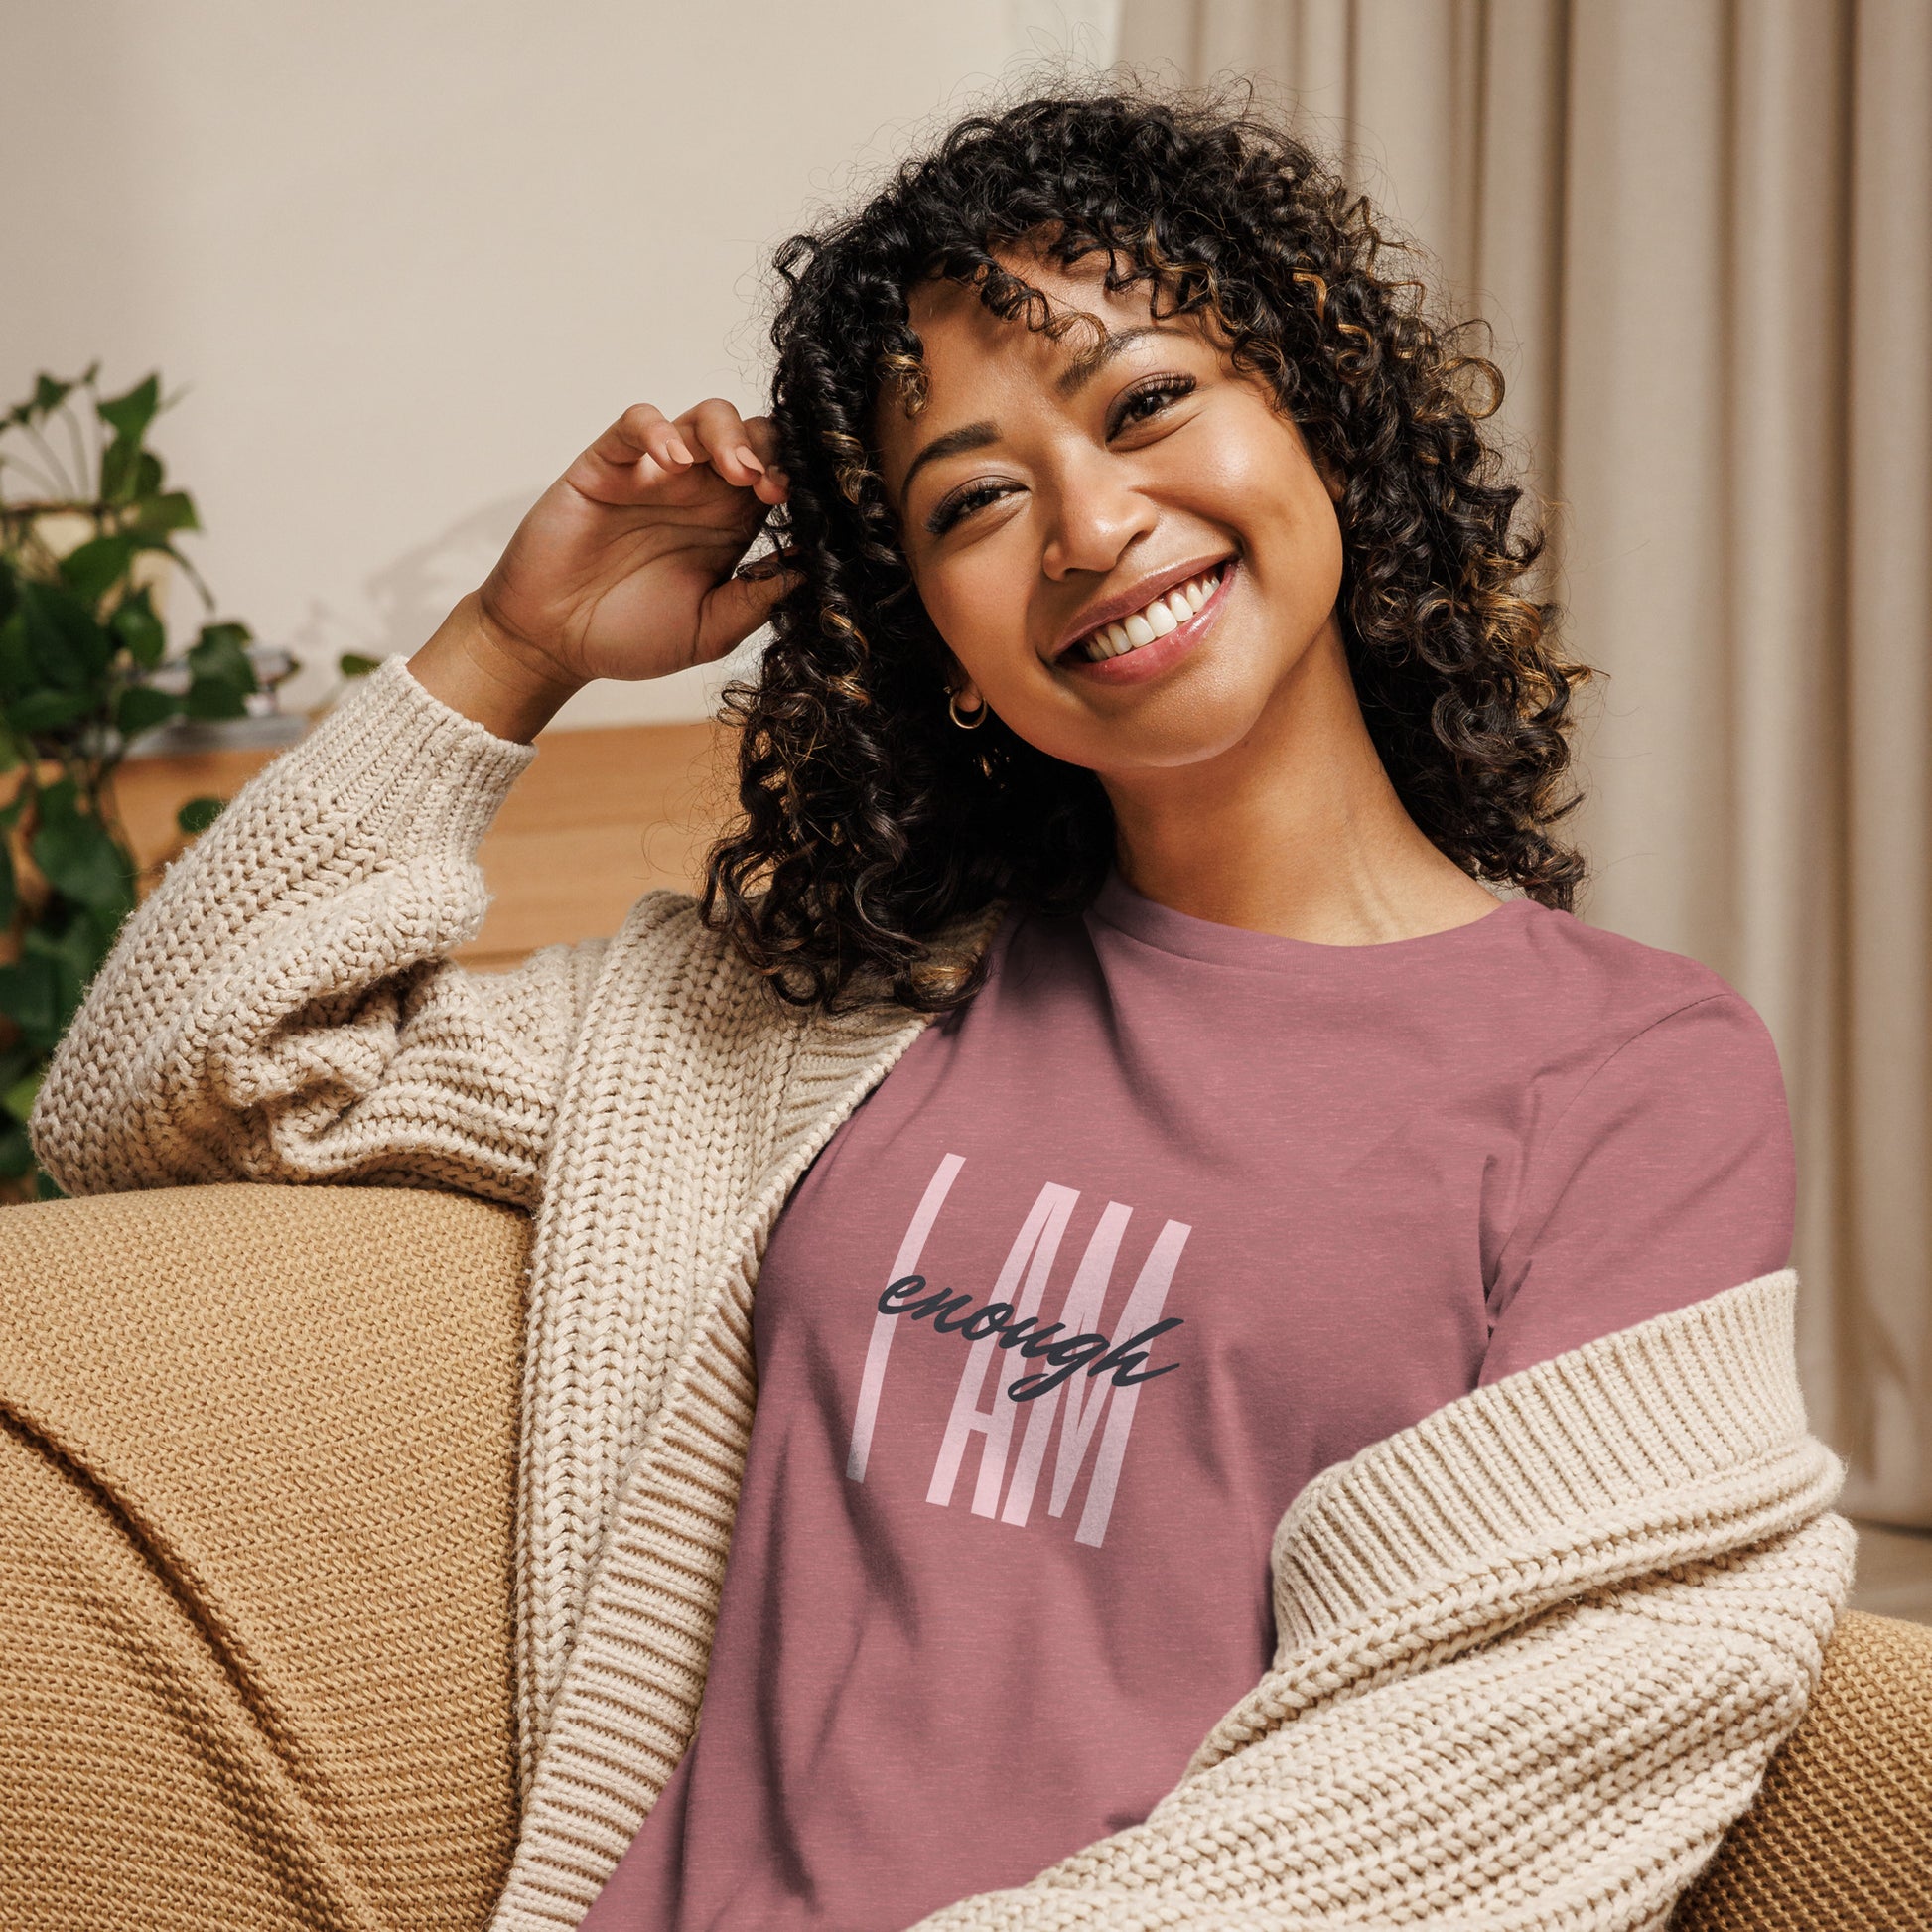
1669, 1176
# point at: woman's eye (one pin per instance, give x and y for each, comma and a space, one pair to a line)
1156, 394
960, 504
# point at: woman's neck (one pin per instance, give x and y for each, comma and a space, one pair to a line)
1295, 830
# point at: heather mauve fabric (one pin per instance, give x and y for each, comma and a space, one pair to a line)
1284, 1200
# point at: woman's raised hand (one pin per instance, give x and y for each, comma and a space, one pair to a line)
623, 568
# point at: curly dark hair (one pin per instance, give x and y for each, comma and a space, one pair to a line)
868, 822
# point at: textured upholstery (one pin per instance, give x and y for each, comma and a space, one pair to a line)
1840, 1837
255, 1539
256, 1463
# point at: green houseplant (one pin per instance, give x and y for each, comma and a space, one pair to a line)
87, 536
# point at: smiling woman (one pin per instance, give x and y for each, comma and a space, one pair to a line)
1073, 362
1360, 1307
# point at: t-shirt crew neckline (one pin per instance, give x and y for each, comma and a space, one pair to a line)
1118, 905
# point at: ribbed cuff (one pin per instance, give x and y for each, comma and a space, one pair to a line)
1705, 1389
405, 765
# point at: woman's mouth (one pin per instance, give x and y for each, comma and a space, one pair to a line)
1146, 642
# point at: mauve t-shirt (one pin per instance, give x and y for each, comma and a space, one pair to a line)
1171, 1217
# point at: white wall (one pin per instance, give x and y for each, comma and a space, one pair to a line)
405, 260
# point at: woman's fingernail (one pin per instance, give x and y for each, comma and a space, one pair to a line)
746, 456
677, 449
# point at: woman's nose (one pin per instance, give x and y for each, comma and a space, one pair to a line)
1093, 512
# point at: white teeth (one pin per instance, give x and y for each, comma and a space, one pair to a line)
1166, 614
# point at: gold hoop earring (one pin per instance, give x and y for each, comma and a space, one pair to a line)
971, 724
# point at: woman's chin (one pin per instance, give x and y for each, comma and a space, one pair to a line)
1165, 738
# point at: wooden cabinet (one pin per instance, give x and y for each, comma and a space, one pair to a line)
602, 816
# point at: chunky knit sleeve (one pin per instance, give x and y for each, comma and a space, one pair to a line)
282, 1007
1535, 1653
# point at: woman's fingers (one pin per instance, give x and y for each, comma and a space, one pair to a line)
737, 606
721, 436
645, 446
636, 452
763, 435
740, 452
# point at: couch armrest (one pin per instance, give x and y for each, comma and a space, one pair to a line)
1840, 1836
257, 1484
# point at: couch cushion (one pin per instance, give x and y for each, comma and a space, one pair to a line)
1840, 1836
256, 1511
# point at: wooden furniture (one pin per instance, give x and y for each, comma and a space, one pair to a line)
602, 816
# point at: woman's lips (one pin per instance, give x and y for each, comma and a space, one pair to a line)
1150, 661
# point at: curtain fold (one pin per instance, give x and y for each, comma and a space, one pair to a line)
1702, 233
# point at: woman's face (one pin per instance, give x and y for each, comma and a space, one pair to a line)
1047, 488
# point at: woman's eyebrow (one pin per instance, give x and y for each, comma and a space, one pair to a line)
955, 441
1085, 368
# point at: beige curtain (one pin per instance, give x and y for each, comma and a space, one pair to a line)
1704, 233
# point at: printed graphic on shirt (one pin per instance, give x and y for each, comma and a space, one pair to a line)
1086, 1384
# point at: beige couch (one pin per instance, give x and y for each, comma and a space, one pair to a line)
256, 1493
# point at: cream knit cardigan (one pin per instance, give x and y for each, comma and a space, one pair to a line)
1535, 1651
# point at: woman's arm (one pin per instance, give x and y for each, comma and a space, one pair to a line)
282, 1007
1538, 1651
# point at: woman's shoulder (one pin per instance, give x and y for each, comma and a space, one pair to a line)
1607, 990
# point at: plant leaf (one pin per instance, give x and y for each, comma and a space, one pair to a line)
92, 568
224, 677
31, 997
214, 697
17, 671
9, 890
141, 708
16, 1154
121, 471
173, 511
136, 626
74, 946
47, 711
49, 395
129, 415
69, 959
18, 1098
352, 664
94, 933
79, 856
199, 814
69, 648
221, 650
